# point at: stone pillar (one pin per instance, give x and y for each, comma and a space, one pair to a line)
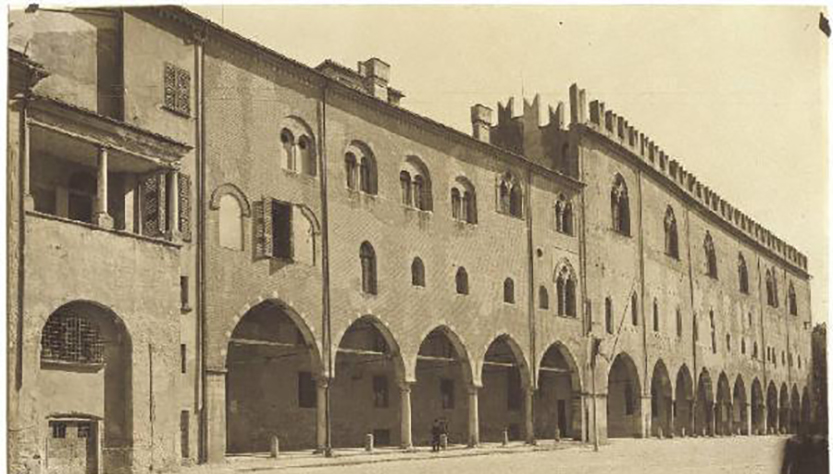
474, 419
321, 414
672, 408
529, 420
765, 418
405, 415
102, 217
646, 416
215, 388
748, 408
25, 171
173, 212
713, 421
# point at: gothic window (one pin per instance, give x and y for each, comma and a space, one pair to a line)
564, 216
711, 324
306, 154
791, 301
504, 197
367, 175
461, 281
288, 149
177, 87
516, 201
609, 315
417, 273
405, 187
656, 316
695, 328
420, 200
728, 342
743, 346
743, 275
672, 248
463, 201
508, 291
543, 298
71, 337
415, 184
510, 196
230, 220
711, 258
565, 283
619, 206
360, 164
368, 261
634, 310
350, 170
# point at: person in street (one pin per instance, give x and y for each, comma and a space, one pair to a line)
436, 431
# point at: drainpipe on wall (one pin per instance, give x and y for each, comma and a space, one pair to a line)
326, 348
695, 329
530, 437
646, 390
586, 322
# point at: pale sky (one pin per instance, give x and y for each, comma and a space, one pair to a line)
738, 95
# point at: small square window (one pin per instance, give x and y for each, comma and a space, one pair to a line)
59, 429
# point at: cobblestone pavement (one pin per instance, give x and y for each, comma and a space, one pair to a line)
736, 455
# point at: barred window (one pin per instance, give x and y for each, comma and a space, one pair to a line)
69, 337
177, 90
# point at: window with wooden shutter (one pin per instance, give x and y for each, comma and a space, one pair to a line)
177, 90
185, 206
153, 205
263, 228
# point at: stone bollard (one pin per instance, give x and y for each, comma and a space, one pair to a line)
505, 438
557, 435
368, 442
659, 433
683, 432
275, 447
443, 441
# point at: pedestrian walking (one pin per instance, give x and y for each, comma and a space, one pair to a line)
436, 431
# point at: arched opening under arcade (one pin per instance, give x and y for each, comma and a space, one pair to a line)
758, 407
443, 378
86, 380
704, 406
365, 393
502, 400
684, 403
661, 401
772, 408
740, 423
624, 407
558, 400
723, 409
795, 410
806, 411
784, 410
271, 383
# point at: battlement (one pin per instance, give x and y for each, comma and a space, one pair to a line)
616, 128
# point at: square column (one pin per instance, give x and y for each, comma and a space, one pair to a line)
102, 217
321, 385
474, 420
748, 409
405, 415
529, 422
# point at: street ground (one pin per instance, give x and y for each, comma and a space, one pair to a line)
735, 455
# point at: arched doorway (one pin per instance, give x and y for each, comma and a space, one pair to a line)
502, 402
723, 409
661, 416
271, 381
784, 409
795, 410
443, 378
86, 349
704, 406
558, 400
624, 407
365, 395
772, 408
684, 403
806, 411
739, 404
758, 406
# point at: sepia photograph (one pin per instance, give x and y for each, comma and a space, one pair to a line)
464, 238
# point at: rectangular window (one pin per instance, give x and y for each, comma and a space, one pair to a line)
184, 430
183, 361
447, 393
306, 390
85, 430
281, 230
380, 391
59, 429
183, 293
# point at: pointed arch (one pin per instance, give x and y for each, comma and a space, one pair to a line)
672, 248
711, 257
743, 275
417, 272
620, 206
367, 257
661, 400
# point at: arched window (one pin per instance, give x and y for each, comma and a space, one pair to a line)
791, 301
71, 337
508, 291
559, 214
755, 350
728, 342
620, 207
609, 315
743, 275
230, 220
367, 175
368, 260
510, 195
656, 316
420, 200
634, 310
543, 298
516, 200
714, 339
456, 204
462, 281
463, 201
679, 324
566, 292
695, 328
350, 169
288, 149
306, 153
771, 292
672, 248
567, 218
503, 196
417, 273
711, 258
405, 187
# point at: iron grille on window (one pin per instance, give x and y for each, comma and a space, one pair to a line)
177, 90
68, 337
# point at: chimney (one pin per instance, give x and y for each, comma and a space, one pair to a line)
481, 122
376, 75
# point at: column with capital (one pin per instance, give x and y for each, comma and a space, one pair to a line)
474, 420
405, 415
102, 217
748, 408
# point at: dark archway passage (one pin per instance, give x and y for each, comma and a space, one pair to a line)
772, 408
784, 410
684, 403
558, 400
661, 415
723, 409
271, 382
795, 410
806, 411
624, 407
704, 406
739, 404
758, 406
365, 395
502, 399
443, 378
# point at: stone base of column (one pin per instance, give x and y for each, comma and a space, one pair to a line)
103, 220
28, 203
